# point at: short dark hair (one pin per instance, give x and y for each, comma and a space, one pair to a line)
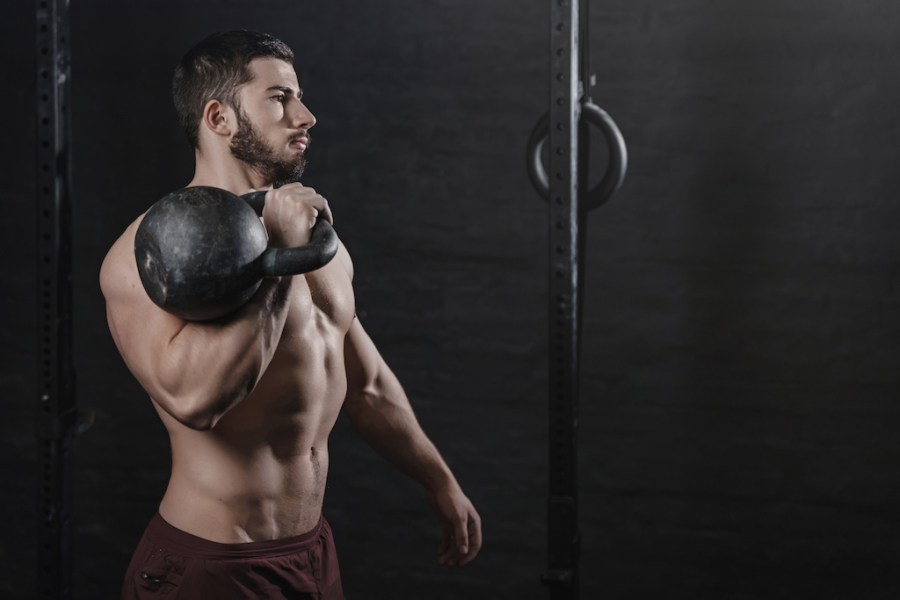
214, 69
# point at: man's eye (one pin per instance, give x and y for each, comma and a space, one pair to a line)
279, 98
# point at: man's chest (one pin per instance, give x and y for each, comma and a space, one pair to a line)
323, 298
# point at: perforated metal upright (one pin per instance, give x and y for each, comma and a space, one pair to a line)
56, 406
565, 223
565, 187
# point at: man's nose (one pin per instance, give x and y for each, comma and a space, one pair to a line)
301, 117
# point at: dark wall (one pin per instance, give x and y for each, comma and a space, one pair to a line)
742, 324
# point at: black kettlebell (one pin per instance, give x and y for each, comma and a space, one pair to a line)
202, 252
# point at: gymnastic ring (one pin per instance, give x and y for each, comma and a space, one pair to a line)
615, 170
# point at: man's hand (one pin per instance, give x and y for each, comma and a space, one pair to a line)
461, 525
290, 213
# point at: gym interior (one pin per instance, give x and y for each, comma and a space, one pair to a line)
738, 364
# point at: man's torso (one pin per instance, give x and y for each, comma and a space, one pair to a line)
260, 472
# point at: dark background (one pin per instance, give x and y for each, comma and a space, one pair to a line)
741, 380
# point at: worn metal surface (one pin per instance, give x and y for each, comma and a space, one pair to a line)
56, 405
565, 223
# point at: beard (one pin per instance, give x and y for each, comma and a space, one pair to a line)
250, 148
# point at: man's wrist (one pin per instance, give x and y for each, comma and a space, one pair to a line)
442, 480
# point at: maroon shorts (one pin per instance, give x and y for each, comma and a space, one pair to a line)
170, 563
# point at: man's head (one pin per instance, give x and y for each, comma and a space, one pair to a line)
245, 83
215, 68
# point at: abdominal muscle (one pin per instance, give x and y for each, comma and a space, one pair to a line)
252, 499
260, 473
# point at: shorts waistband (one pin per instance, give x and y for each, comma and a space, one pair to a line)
161, 532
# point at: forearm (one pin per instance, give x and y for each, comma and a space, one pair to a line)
210, 367
384, 418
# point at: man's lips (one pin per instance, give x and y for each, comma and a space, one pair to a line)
300, 143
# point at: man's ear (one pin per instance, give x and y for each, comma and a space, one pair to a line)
218, 118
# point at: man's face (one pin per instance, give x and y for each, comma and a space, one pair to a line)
273, 123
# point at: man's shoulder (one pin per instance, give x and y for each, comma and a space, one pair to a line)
343, 258
118, 266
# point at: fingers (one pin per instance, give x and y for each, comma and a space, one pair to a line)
297, 193
474, 540
291, 211
461, 525
327, 213
461, 542
462, 536
317, 201
446, 549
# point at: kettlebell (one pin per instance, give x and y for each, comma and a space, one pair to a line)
202, 252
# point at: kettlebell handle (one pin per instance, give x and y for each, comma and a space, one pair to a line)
256, 200
276, 262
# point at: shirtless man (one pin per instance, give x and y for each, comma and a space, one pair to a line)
249, 400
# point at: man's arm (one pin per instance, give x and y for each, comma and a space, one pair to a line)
196, 371
380, 411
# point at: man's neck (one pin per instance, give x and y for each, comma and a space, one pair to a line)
226, 172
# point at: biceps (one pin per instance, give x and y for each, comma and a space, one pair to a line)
142, 335
362, 360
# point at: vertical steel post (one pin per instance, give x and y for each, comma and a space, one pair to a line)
565, 222
56, 411
565, 186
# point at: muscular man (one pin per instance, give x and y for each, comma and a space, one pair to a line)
249, 400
